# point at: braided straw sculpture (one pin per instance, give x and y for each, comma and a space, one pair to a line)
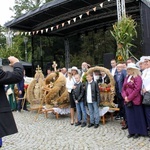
35, 90
55, 91
107, 95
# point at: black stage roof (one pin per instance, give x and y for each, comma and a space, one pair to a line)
58, 12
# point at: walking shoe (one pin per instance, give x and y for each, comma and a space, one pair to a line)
117, 118
124, 127
130, 135
78, 123
96, 125
136, 136
25, 109
83, 124
90, 125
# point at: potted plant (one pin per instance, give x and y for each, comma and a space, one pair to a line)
124, 31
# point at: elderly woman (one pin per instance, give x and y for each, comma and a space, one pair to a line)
131, 93
146, 88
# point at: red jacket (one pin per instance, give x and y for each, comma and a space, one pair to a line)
132, 90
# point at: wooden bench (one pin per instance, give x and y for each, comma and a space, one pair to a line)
103, 118
46, 111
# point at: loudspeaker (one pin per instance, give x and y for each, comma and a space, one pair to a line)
107, 57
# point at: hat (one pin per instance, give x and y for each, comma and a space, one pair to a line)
74, 68
142, 59
146, 57
132, 66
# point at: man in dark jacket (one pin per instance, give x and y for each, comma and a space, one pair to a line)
7, 123
119, 79
92, 96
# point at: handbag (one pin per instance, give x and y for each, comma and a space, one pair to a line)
146, 98
129, 104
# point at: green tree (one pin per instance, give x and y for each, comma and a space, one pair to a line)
2, 38
24, 6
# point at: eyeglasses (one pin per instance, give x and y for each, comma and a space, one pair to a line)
146, 61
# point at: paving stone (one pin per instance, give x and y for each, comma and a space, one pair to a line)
57, 134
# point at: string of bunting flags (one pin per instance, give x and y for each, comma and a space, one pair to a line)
56, 27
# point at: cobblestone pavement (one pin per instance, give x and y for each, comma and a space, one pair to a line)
57, 134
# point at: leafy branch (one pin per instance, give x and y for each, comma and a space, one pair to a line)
124, 32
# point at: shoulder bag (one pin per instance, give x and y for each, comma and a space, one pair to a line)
146, 98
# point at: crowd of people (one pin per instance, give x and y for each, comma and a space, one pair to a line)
132, 82
130, 91
132, 86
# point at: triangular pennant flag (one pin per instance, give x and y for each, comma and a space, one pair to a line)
94, 9
74, 19
26, 33
80, 16
33, 32
41, 31
37, 32
57, 26
29, 33
52, 28
63, 24
101, 5
18, 33
88, 13
46, 29
69, 21
22, 33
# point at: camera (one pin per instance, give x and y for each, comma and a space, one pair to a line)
4, 65
5, 62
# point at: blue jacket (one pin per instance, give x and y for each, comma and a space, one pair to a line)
119, 84
20, 85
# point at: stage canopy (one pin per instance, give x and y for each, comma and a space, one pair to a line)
69, 17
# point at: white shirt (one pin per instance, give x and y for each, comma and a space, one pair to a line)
113, 70
103, 78
89, 93
129, 78
146, 79
69, 84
